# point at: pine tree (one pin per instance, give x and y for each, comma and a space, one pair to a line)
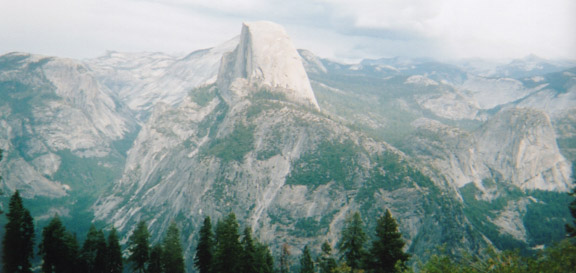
264, 259
94, 252
72, 261
1, 191
204, 249
18, 243
351, 245
306, 263
114, 260
386, 249
571, 229
172, 258
58, 249
228, 250
139, 247
156, 263
327, 263
248, 261
285, 259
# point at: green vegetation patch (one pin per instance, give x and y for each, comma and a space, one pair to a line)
262, 101
479, 212
265, 94
234, 146
306, 227
18, 96
545, 219
331, 161
271, 145
390, 173
89, 175
203, 95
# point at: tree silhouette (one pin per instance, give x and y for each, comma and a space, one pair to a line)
172, 257
58, 249
228, 250
94, 253
351, 244
306, 263
327, 263
386, 249
204, 250
114, 259
156, 263
18, 242
571, 229
285, 259
248, 262
264, 259
139, 247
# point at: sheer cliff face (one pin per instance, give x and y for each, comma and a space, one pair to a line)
521, 145
516, 146
265, 59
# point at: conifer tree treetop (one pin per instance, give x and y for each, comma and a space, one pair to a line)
172, 256
306, 262
18, 242
205, 247
227, 254
139, 247
351, 244
115, 264
387, 248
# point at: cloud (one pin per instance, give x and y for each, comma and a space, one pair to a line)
336, 28
87, 28
470, 28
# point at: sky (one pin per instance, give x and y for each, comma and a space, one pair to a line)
338, 29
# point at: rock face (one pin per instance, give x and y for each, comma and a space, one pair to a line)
517, 146
49, 106
142, 80
265, 59
520, 144
506, 164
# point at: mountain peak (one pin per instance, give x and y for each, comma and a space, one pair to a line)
265, 59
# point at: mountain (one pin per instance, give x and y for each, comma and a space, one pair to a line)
488, 139
290, 142
141, 80
292, 173
54, 108
265, 59
526, 67
516, 145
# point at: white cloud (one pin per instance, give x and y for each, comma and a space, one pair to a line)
337, 28
486, 28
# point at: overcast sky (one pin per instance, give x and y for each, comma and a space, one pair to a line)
338, 29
